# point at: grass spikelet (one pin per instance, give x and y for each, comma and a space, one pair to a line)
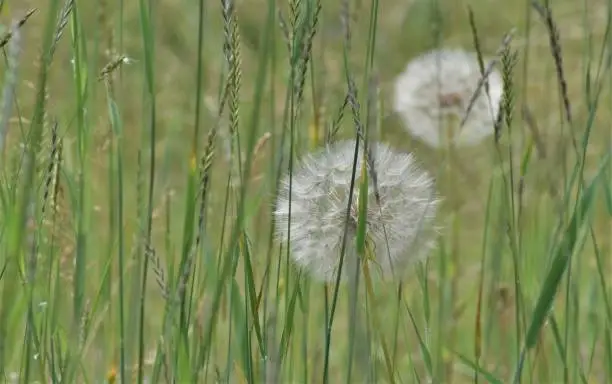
56, 175
158, 270
555, 47
353, 102
295, 10
294, 13
206, 165
485, 71
231, 48
20, 23
62, 23
478, 50
508, 62
113, 65
307, 53
52, 168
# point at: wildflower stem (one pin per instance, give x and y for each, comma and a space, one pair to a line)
354, 320
454, 248
372, 299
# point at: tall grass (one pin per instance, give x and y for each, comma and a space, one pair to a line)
140, 162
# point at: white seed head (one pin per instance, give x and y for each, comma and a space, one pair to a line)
399, 230
439, 85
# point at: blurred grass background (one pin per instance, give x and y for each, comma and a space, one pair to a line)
79, 318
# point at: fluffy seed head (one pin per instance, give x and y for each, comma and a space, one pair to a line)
399, 230
439, 85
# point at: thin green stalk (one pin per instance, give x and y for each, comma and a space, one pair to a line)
117, 129
81, 89
375, 321
148, 40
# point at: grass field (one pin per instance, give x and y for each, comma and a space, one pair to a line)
142, 145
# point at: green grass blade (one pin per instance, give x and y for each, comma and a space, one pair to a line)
569, 242
490, 377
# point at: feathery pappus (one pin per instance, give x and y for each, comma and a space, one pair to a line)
312, 215
434, 92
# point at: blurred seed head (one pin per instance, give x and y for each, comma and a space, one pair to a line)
436, 88
399, 230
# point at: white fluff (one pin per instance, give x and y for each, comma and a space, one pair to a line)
439, 85
399, 229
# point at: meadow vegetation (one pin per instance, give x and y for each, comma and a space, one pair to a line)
142, 147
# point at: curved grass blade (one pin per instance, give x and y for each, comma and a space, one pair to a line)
570, 241
422, 344
486, 374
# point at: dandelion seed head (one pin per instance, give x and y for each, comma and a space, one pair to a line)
437, 87
399, 229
